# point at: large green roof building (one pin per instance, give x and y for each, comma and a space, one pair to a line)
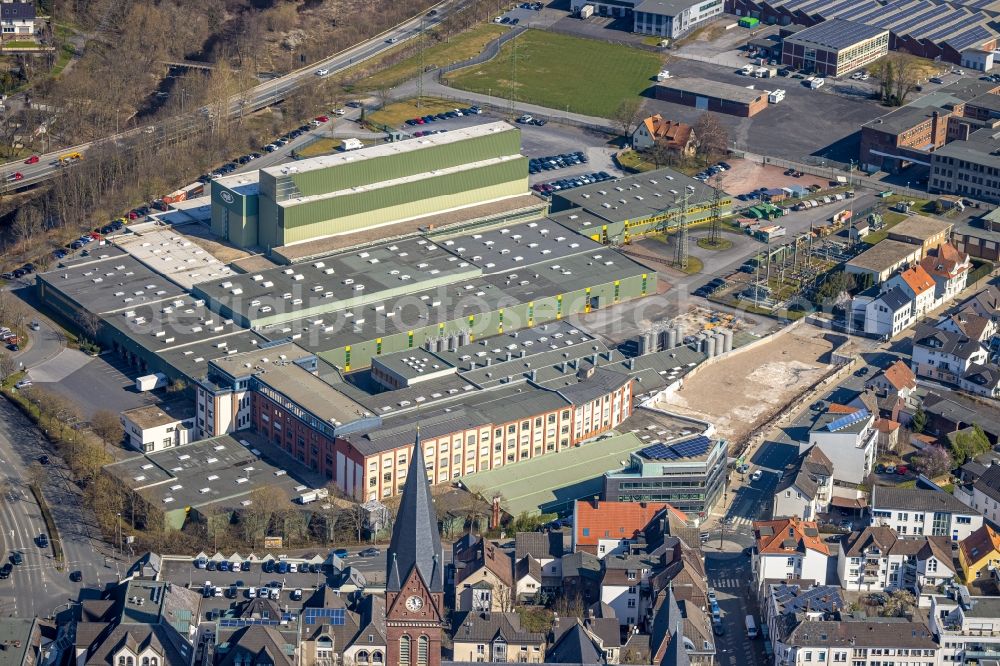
351, 191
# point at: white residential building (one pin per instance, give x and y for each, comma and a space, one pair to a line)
967, 627
923, 512
17, 19
949, 268
625, 587
806, 487
877, 560
789, 548
849, 442
872, 642
985, 497
883, 312
945, 355
153, 428
918, 287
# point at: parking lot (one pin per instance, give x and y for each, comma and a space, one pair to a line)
787, 129
93, 384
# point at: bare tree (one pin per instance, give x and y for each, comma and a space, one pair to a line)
383, 94
662, 153
255, 520
107, 426
898, 74
357, 518
628, 115
713, 137
90, 325
8, 366
570, 604
36, 475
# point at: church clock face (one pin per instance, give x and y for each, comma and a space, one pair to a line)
414, 603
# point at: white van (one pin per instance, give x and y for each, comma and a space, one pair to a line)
751, 627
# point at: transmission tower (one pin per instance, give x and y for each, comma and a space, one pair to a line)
715, 230
681, 257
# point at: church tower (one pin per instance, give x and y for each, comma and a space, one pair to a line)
414, 588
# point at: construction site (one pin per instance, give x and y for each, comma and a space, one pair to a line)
740, 391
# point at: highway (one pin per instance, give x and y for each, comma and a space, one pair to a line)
37, 586
259, 97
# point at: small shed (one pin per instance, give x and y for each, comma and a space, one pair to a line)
774, 195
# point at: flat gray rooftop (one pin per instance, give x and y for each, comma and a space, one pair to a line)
651, 427
115, 283
518, 245
400, 314
709, 88
211, 470
634, 197
350, 277
904, 118
172, 323
978, 149
386, 149
192, 359
883, 254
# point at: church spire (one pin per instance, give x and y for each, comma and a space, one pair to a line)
415, 542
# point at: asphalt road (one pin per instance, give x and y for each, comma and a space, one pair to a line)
263, 95
37, 586
730, 576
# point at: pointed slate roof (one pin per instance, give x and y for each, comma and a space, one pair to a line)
415, 542
575, 646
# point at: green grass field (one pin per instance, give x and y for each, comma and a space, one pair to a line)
460, 47
563, 72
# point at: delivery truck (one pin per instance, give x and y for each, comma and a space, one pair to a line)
150, 382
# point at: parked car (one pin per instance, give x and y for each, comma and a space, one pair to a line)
370, 552
757, 476
245, 565
901, 470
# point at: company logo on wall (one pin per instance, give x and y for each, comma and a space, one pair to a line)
227, 197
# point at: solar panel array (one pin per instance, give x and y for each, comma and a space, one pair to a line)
847, 419
686, 449
959, 23
311, 615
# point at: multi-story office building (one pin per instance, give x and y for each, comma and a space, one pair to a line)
688, 474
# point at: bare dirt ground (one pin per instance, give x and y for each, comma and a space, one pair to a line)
742, 391
746, 176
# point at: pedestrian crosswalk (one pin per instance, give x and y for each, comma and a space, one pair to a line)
728, 583
739, 521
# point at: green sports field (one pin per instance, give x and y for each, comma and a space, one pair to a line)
563, 72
